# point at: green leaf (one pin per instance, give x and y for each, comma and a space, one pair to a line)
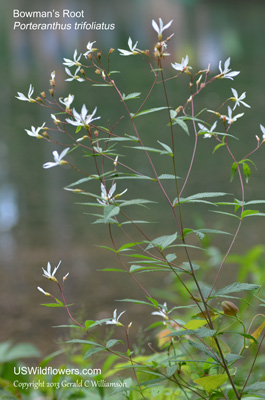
218, 147
138, 302
212, 382
110, 211
59, 304
112, 342
162, 242
171, 257
236, 287
146, 148
246, 171
202, 347
93, 351
82, 341
252, 213
225, 213
112, 270
233, 171
90, 324
255, 387
50, 357
198, 196
68, 326
201, 332
248, 213
230, 357
166, 147
9, 352
151, 110
167, 176
171, 370
137, 202
179, 121
130, 96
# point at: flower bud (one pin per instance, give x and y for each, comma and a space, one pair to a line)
111, 50
51, 92
229, 308
179, 109
43, 95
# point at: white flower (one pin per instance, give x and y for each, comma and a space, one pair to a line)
183, 66
262, 128
232, 119
163, 311
208, 133
239, 100
74, 76
115, 319
107, 197
35, 131
52, 80
58, 159
55, 119
22, 97
132, 47
82, 119
226, 72
89, 48
67, 101
43, 291
160, 29
75, 61
50, 275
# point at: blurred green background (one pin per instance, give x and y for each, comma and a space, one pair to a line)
39, 221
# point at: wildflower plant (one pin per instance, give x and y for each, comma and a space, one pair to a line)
212, 352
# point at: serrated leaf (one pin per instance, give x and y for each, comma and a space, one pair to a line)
235, 288
225, 213
82, 341
95, 350
112, 342
151, 110
255, 387
199, 196
212, 382
230, 357
137, 202
138, 302
248, 213
201, 332
110, 211
202, 347
130, 96
171, 370
163, 241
